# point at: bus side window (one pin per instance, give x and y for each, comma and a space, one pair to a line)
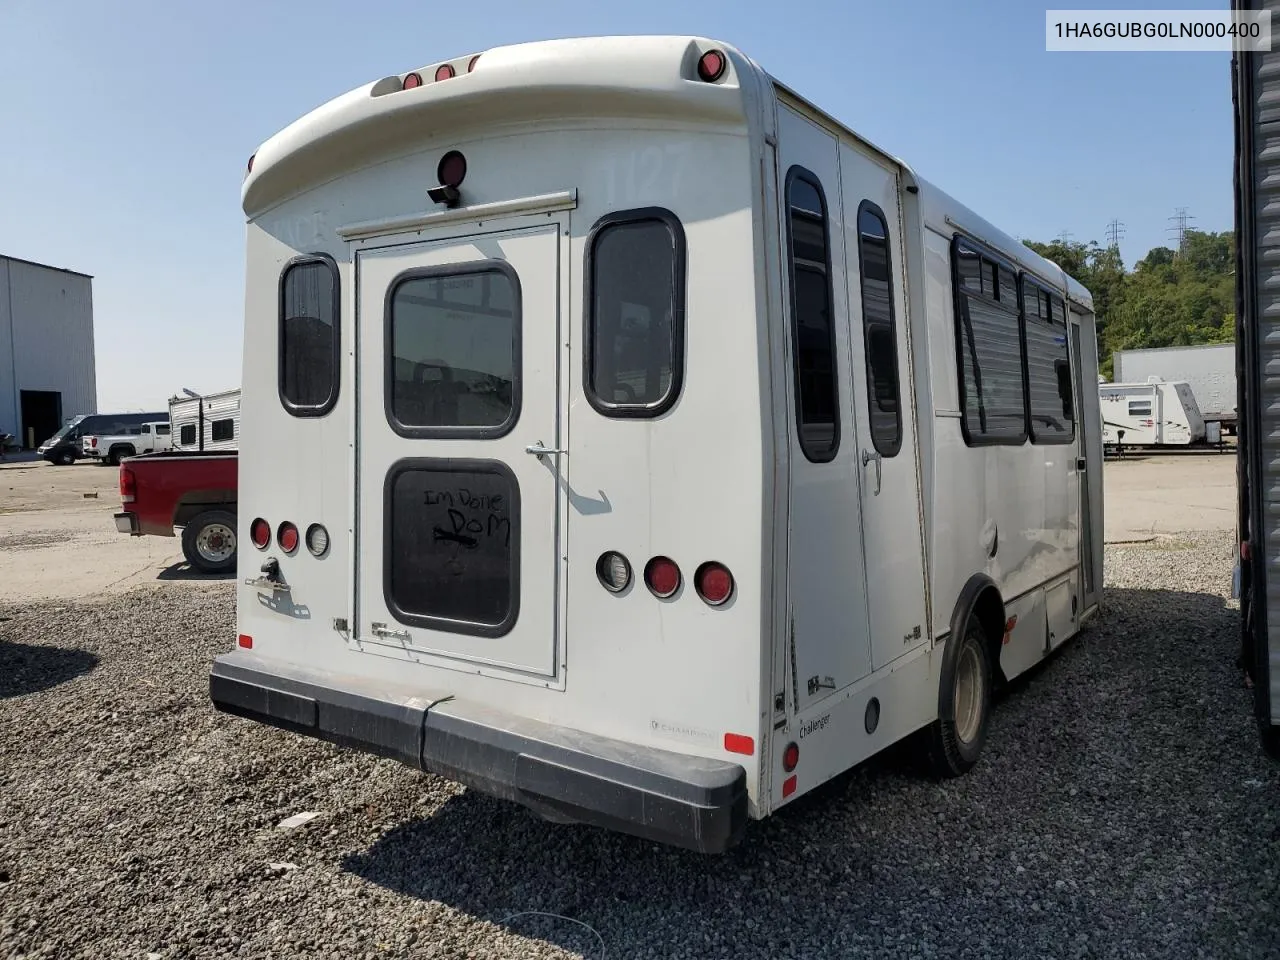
988, 349
880, 331
634, 356
1044, 325
812, 325
309, 341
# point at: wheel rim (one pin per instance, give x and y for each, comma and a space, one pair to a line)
968, 694
216, 542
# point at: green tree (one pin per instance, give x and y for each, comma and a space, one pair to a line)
1168, 299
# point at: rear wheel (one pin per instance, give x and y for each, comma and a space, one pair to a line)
209, 541
117, 454
956, 738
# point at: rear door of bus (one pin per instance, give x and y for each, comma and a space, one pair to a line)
459, 514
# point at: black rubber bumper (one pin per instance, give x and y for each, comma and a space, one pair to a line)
562, 774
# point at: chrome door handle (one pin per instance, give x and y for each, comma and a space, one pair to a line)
539, 451
867, 457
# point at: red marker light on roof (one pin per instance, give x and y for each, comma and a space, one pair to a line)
711, 65
471, 64
251, 156
412, 80
444, 71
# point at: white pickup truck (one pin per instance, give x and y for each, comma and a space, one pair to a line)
144, 438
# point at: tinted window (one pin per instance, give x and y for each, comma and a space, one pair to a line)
453, 337
162, 429
452, 545
187, 435
1139, 408
1049, 394
812, 325
309, 337
879, 331
989, 345
222, 430
635, 329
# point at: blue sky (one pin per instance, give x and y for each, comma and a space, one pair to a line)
126, 128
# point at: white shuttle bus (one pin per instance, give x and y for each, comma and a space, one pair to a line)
629, 439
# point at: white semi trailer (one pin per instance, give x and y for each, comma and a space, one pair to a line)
1209, 369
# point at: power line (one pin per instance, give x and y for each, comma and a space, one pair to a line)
1064, 237
1115, 230
1179, 228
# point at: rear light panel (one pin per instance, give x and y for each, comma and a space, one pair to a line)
128, 485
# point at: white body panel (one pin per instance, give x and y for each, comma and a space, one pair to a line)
846, 570
1150, 414
1209, 369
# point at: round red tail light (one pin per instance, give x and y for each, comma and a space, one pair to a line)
662, 576
711, 65
714, 583
260, 533
287, 536
412, 80
471, 64
444, 71
790, 757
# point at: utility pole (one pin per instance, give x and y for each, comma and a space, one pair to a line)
1115, 230
1064, 237
1179, 228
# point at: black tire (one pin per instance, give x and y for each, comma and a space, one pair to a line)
204, 546
119, 453
65, 459
955, 742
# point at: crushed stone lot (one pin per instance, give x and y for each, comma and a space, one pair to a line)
1123, 808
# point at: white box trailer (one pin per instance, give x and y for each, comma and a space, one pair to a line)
207, 423
1156, 414
1209, 370
1256, 95
640, 444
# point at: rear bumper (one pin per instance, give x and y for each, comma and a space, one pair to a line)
127, 523
560, 773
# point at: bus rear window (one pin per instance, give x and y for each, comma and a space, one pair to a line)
309, 336
635, 322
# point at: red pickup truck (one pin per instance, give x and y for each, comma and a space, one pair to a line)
195, 492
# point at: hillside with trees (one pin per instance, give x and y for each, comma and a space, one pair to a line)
1168, 299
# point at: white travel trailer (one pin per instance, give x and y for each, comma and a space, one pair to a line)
209, 422
1157, 413
635, 442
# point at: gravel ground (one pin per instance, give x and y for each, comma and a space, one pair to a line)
1123, 809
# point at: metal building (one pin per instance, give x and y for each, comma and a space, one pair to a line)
47, 371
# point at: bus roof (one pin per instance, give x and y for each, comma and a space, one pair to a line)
581, 77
